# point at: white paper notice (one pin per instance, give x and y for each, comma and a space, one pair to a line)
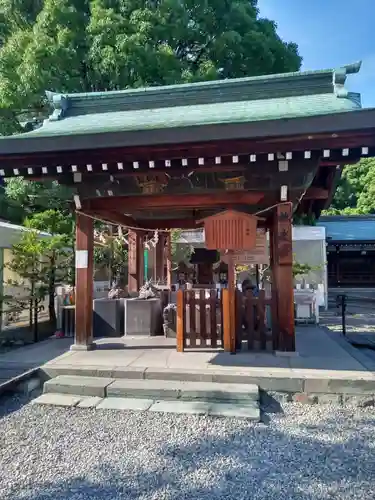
82, 259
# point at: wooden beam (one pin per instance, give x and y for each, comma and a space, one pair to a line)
316, 193
84, 283
222, 199
188, 223
113, 217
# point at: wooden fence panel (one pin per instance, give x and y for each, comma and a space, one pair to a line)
256, 321
202, 319
214, 309
202, 307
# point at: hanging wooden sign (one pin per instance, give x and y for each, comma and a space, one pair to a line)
230, 230
259, 255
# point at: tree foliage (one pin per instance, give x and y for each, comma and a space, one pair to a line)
355, 192
27, 264
38, 196
86, 45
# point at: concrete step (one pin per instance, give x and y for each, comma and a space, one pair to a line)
250, 410
153, 389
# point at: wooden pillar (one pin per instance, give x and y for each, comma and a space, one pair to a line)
281, 253
135, 261
84, 283
230, 330
168, 258
160, 259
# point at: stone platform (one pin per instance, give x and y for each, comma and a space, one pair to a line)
326, 368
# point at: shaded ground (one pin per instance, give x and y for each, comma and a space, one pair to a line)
317, 452
17, 361
15, 336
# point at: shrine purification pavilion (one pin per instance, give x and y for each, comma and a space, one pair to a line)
210, 154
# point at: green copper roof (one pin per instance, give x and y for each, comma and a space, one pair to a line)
205, 114
244, 100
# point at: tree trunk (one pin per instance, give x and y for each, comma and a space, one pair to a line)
51, 292
35, 329
31, 305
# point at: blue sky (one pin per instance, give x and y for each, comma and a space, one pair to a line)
330, 33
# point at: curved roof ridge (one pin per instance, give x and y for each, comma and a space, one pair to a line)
216, 91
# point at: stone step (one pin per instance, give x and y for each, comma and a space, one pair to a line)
249, 410
153, 389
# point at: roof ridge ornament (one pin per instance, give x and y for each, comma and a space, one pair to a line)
339, 77
59, 103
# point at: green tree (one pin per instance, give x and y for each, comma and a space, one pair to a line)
355, 192
58, 252
85, 45
36, 196
27, 264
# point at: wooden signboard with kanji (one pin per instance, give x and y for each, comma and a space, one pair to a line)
230, 230
283, 250
132, 252
259, 255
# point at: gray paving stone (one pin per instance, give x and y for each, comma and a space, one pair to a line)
149, 389
133, 404
251, 412
184, 407
82, 386
352, 386
176, 374
89, 402
206, 391
170, 389
267, 383
78, 371
57, 399
129, 372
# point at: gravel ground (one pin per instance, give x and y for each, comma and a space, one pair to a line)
317, 452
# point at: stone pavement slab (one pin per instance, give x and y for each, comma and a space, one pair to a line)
57, 399
89, 402
322, 357
184, 407
172, 389
132, 404
251, 412
248, 411
84, 386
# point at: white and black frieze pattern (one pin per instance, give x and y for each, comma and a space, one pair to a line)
284, 160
